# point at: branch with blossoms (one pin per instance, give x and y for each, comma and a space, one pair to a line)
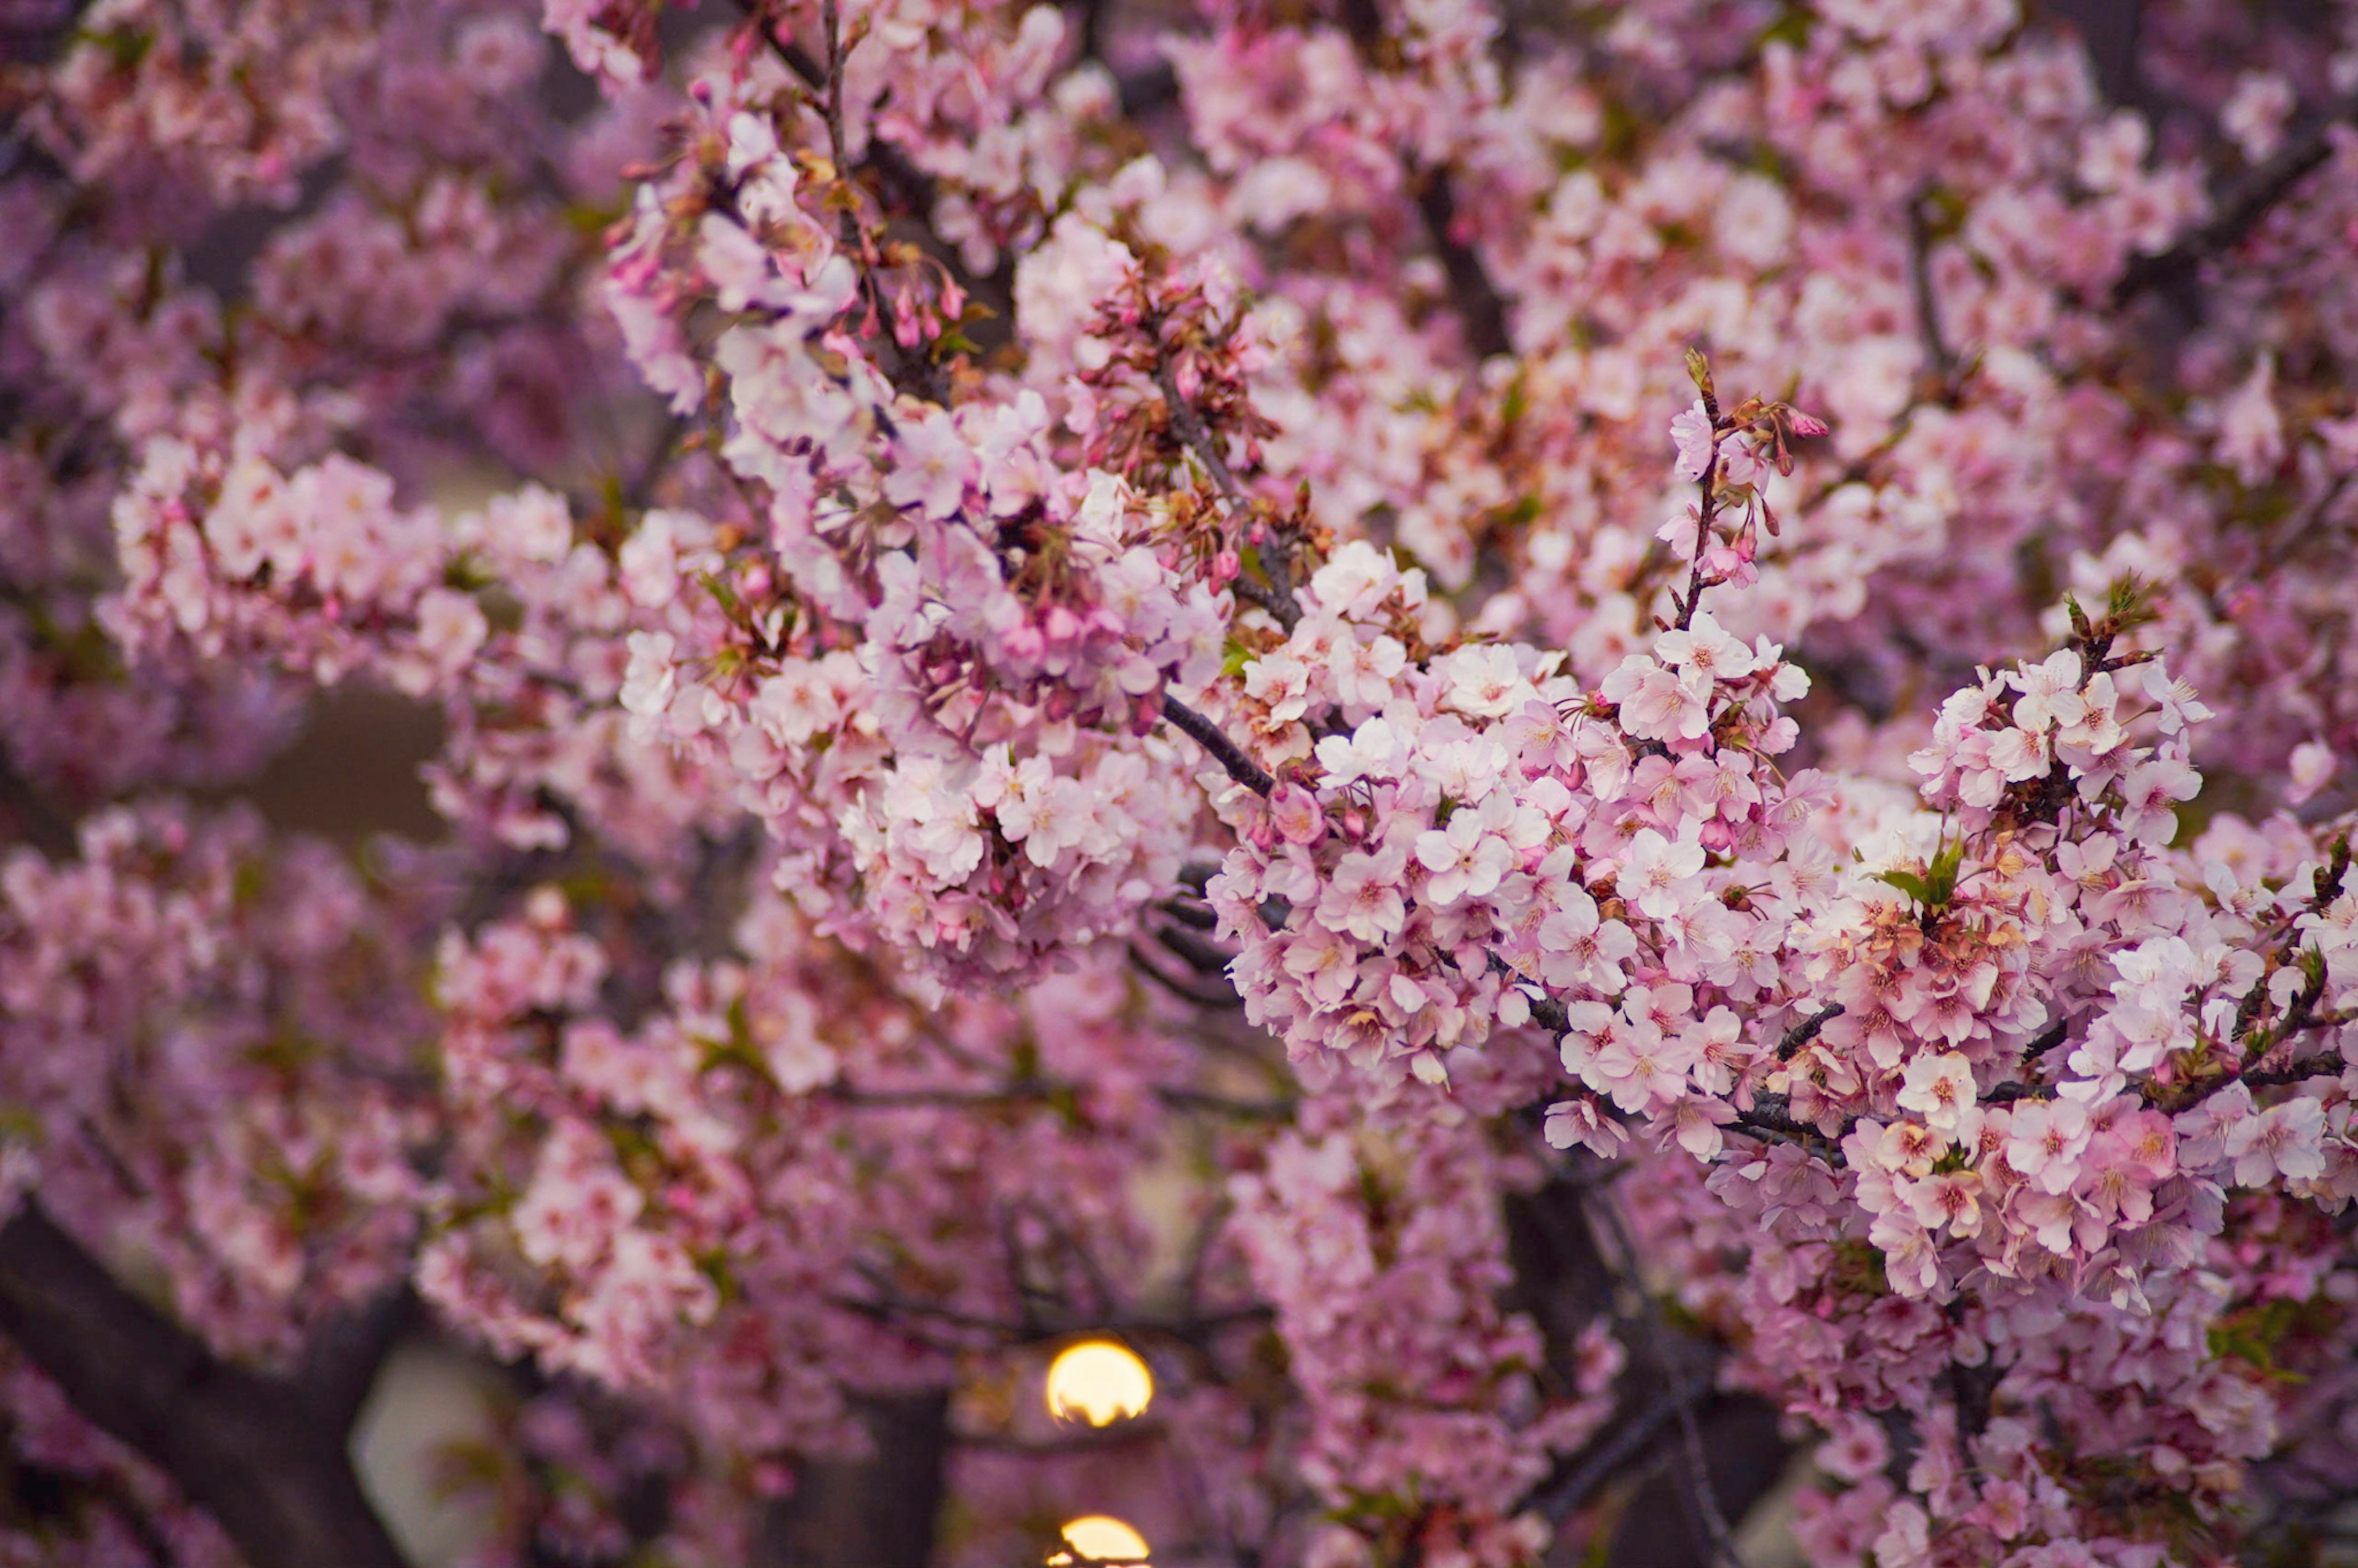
869, 818
1726, 470
1481, 311
2241, 210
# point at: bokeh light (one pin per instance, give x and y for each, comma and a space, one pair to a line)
1101, 1538
1098, 1382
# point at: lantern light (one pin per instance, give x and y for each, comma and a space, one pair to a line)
1099, 1538
1099, 1381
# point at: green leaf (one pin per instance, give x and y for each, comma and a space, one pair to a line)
1908, 883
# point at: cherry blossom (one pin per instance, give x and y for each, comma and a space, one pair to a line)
1074, 691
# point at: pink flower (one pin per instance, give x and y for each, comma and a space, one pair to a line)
1691, 433
1940, 1089
2311, 768
2045, 1140
1463, 860
2284, 1140
1660, 876
1704, 649
1949, 1199
932, 467
1371, 751
1364, 897
1660, 704
1635, 1064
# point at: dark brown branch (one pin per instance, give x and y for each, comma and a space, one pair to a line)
1938, 356
1976, 1390
1704, 512
1203, 956
1802, 1033
26, 811
260, 1453
878, 1511
1279, 1110
29, 37
1560, 1499
1190, 911
1227, 753
2239, 215
2299, 1072
342, 1365
1471, 293
1604, 1207
1771, 1115
1042, 1091
1145, 91
1222, 999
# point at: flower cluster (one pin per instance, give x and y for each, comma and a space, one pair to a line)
1374, 1291
1125, 672
1472, 833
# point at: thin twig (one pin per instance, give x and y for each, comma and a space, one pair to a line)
1704, 515
1606, 1203
1567, 1498
1276, 555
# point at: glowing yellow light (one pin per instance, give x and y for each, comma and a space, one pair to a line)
1100, 1539
1099, 1381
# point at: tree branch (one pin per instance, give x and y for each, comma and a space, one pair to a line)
1227, 753
1567, 1495
1472, 295
1604, 1209
2239, 215
30, 814
907, 186
1276, 555
877, 1511
259, 1452
342, 1365
1802, 1033
1471, 292
1939, 358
